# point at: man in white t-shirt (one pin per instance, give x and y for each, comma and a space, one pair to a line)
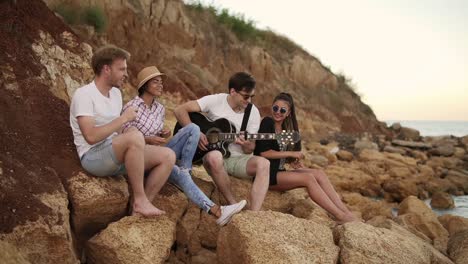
241, 163
96, 123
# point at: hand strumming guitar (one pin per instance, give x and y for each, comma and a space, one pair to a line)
247, 145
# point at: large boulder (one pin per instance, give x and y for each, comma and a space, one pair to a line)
363, 243
96, 202
407, 133
272, 237
458, 247
453, 223
10, 254
416, 215
442, 200
345, 155
48, 238
365, 144
133, 239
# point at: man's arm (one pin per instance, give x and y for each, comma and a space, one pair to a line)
181, 112
93, 134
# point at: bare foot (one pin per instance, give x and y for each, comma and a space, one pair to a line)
347, 218
146, 209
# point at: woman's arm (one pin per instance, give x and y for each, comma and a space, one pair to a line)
273, 154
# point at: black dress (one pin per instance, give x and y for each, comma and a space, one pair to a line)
268, 126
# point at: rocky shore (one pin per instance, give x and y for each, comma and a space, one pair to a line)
53, 212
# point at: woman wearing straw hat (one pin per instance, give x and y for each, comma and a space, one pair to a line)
150, 122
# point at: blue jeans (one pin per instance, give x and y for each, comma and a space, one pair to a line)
184, 144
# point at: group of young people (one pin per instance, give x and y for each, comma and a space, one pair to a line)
132, 140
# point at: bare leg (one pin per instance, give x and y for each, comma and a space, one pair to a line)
213, 163
328, 188
129, 148
159, 160
260, 167
288, 180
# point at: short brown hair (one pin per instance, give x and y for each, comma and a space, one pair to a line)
106, 55
242, 81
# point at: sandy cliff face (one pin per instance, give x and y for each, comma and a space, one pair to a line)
199, 55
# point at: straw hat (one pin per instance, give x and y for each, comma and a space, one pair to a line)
146, 74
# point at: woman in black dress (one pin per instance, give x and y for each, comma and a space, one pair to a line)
318, 186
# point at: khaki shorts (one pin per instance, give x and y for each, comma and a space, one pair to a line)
237, 166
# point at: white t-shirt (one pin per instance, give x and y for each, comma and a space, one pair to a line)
88, 101
216, 106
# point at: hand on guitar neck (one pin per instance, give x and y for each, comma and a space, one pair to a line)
248, 146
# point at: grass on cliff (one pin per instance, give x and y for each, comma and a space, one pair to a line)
92, 15
245, 28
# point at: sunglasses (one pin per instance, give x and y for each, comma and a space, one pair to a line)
282, 110
246, 96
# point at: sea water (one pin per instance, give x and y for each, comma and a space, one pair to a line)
435, 128
461, 207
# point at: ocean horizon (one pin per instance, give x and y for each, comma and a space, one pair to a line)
435, 127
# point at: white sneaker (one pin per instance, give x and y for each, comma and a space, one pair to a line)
228, 211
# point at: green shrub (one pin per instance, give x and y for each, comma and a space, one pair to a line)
95, 16
68, 13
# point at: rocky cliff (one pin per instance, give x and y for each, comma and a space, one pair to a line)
199, 54
53, 212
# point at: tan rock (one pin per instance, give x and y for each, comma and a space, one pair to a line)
362, 243
442, 200
409, 134
446, 162
10, 254
365, 144
459, 178
459, 153
416, 215
205, 256
307, 209
443, 150
453, 223
411, 144
368, 207
172, 200
344, 155
49, 238
464, 141
318, 160
439, 185
419, 155
96, 201
353, 180
398, 190
133, 238
272, 237
458, 247
394, 150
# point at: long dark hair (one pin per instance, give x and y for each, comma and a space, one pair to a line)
290, 122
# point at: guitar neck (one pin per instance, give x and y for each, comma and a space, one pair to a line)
258, 136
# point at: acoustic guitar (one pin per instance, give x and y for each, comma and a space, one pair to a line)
220, 133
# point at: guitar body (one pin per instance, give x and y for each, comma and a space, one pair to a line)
211, 129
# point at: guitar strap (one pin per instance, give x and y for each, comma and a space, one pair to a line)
246, 118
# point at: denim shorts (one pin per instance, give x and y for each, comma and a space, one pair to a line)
100, 160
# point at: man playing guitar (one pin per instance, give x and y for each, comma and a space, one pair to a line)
241, 163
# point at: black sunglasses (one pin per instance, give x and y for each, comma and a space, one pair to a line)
246, 96
282, 110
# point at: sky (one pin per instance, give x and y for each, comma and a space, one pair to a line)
407, 59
